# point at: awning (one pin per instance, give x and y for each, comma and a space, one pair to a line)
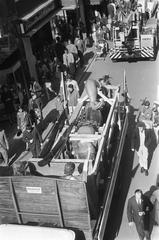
95, 2
71, 7
11, 69
68, 3
3, 73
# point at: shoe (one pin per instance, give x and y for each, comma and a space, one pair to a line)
142, 170
146, 173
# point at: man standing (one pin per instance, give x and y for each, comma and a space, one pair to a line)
33, 139
141, 141
4, 147
80, 46
138, 213
36, 93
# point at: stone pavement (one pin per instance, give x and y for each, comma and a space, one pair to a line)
16, 145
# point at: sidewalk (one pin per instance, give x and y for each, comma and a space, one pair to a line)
16, 145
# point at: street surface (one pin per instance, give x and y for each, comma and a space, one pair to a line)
143, 81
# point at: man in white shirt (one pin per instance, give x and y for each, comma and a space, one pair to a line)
141, 141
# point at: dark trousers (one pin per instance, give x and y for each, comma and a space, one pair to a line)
141, 232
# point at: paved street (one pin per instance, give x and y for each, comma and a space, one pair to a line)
143, 81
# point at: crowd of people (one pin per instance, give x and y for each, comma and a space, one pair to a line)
62, 57
141, 209
146, 133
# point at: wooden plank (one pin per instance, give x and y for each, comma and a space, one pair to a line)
84, 137
36, 195
61, 160
59, 205
74, 204
64, 206
15, 201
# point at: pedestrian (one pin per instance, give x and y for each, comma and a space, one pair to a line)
58, 49
36, 93
59, 104
69, 63
155, 120
145, 114
105, 49
21, 119
69, 169
111, 8
32, 137
8, 100
72, 81
20, 95
80, 46
141, 140
155, 201
72, 49
73, 96
138, 213
4, 147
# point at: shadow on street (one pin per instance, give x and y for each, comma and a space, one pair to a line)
126, 173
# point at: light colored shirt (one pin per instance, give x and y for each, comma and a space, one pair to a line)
74, 83
142, 138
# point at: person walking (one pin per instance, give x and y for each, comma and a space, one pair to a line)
8, 100
155, 120
69, 63
72, 49
73, 82
73, 96
36, 93
32, 137
80, 46
4, 147
155, 201
138, 213
21, 119
144, 114
141, 140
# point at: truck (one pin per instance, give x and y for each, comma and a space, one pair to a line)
75, 207
135, 36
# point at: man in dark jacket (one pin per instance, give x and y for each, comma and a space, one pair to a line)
138, 212
141, 141
34, 140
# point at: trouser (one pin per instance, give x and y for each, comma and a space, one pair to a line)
94, 38
80, 54
143, 234
156, 130
4, 155
143, 157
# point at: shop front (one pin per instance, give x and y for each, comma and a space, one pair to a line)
36, 30
12, 77
74, 10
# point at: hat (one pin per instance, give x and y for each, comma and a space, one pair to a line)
69, 168
147, 103
156, 102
